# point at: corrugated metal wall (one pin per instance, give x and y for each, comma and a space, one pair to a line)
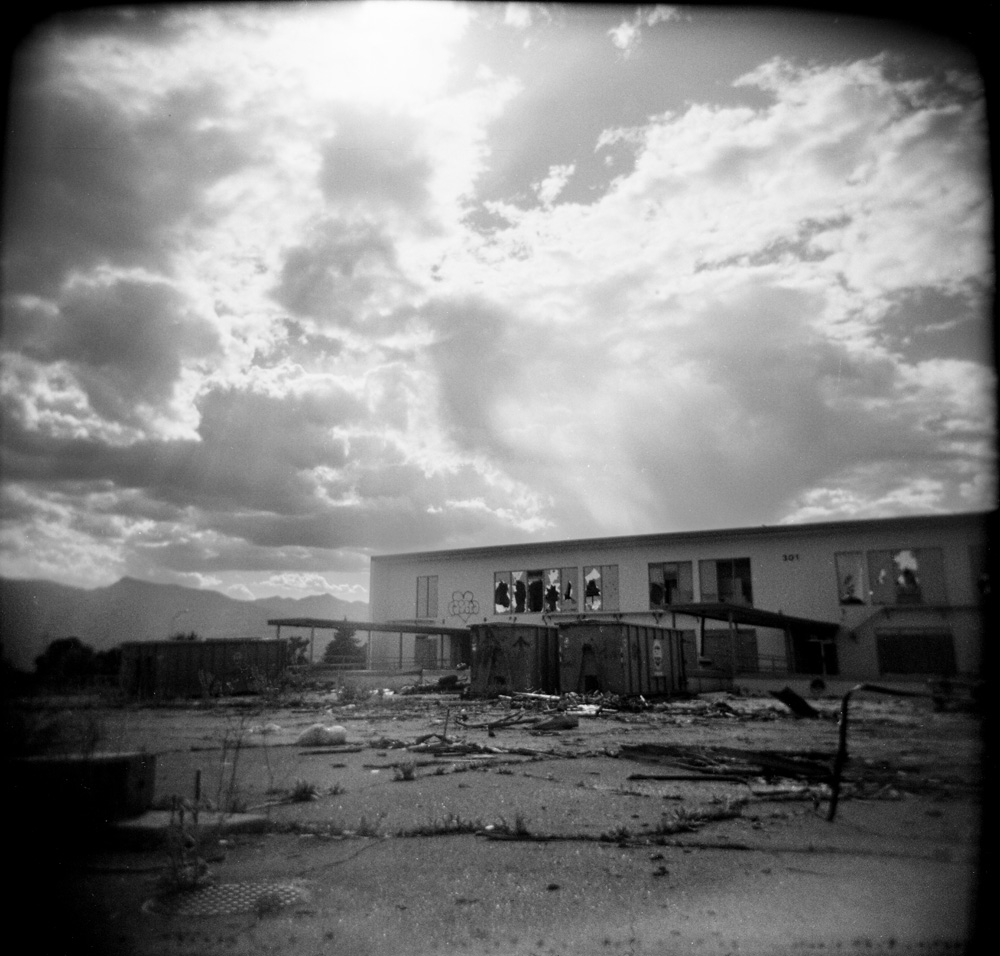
165, 669
514, 657
618, 658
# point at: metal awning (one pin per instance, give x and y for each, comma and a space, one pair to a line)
742, 614
390, 627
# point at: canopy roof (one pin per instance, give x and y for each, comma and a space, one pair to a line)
397, 627
742, 614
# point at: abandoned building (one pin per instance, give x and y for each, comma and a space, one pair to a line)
892, 599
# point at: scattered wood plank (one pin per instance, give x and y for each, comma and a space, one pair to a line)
694, 777
556, 723
796, 704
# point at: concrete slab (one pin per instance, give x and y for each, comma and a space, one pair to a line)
153, 827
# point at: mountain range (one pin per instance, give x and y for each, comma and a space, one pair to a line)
35, 612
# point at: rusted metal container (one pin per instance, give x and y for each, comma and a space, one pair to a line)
618, 658
514, 657
165, 669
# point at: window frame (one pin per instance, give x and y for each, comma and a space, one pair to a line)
843, 573
684, 596
714, 596
427, 596
608, 592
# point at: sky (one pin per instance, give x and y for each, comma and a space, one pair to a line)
286, 285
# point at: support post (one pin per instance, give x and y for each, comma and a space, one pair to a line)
732, 646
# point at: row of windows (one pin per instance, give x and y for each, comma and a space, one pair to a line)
555, 589
901, 576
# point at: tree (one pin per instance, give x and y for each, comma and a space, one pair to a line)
64, 659
298, 650
344, 649
108, 663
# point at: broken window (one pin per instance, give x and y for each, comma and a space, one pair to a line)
850, 578
519, 594
671, 582
600, 587
427, 596
907, 576
567, 584
501, 592
726, 580
534, 592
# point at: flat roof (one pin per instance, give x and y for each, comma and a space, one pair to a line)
775, 530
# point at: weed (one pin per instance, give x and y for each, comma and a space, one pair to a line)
309, 828
352, 694
368, 828
620, 834
443, 826
303, 791
337, 789
518, 828
405, 771
228, 799
186, 867
684, 820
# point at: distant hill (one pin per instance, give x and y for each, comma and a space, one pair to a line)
33, 613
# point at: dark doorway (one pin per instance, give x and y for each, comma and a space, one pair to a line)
813, 655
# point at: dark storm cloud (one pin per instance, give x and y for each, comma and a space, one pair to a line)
252, 454
384, 524
207, 555
475, 358
331, 276
125, 341
96, 184
930, 323
153, 24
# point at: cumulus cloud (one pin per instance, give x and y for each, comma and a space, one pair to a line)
334, 277
628, 34
548, 189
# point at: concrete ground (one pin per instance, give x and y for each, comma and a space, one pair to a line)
550, 847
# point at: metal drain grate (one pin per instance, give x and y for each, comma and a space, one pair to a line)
228, 899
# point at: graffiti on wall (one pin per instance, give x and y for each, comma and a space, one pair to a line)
463, 605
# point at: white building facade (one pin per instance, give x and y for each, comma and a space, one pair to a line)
893, 599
